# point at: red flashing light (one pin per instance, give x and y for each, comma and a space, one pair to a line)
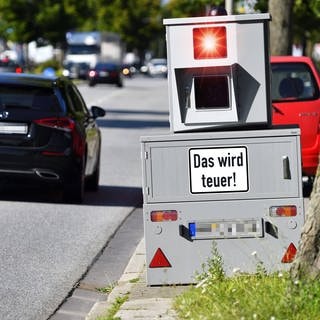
209, 43
159, 260
289, 254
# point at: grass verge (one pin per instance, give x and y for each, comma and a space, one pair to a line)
257, 296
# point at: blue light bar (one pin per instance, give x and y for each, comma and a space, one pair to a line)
192, 229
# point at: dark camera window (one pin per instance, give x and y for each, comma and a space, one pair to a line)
211, 92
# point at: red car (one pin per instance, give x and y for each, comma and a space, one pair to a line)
295, 96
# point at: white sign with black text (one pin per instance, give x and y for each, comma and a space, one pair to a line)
218, 170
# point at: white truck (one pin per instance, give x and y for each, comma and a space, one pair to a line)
85, 49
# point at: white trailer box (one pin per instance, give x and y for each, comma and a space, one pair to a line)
239, 189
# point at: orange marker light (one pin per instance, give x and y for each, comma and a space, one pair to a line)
209, 43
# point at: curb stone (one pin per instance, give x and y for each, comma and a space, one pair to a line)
145, 302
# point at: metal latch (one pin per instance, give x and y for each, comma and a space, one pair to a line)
286, 168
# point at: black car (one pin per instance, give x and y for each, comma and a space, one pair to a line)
106, 72
47, 134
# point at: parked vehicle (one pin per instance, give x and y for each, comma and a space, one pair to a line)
129, 70
86, 49
47, 134
296, 100
76, 70
157, 67
7, 65
106, 72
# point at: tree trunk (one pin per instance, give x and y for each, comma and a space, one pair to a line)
280, 27
307, 261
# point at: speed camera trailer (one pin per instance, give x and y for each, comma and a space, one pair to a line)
239, 190
223, 177
218, 72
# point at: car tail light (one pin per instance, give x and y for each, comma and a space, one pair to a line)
92, 73
68, 125
18, 70
57, 123
113, 74
209, 43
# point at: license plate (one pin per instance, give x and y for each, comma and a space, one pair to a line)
13, 128
226, 229
103, 73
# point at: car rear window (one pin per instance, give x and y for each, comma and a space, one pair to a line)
292, 81
26, 97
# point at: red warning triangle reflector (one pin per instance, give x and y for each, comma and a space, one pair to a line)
290, 254
159, 260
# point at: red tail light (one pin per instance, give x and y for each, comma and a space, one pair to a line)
92, 73
164, 215
68, 125
18, 70
283, 211
58, 123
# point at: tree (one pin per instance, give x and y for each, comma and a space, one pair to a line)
30, 20
307, 261
189, 8
280, 27
306, 16
139, 23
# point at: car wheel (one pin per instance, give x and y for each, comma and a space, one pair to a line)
74, 192
91, 83
120, 82
92, 182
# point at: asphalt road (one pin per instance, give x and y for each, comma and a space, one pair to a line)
47, 246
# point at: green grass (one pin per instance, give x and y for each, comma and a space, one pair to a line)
107, 289
258, 296
114, 308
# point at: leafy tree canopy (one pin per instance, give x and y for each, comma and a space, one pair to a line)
139, 22
28, 20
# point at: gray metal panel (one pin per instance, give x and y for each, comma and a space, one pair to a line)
238, 134
186, 257
273, 165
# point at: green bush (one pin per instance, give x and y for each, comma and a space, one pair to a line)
54, 64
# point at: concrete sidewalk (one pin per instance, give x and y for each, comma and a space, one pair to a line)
144, 302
